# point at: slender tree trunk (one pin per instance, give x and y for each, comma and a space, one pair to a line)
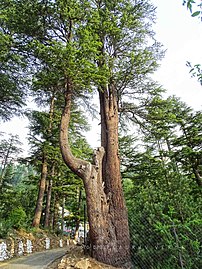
195, 170
56, 214
5, 162
42, 186
78, 215
63, 215
51, 223
198, 178
39, 206
107, 214
173, 160
181, 261
48, 199
51, 112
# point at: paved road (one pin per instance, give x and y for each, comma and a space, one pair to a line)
38, 260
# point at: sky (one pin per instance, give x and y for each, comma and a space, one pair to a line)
181, 36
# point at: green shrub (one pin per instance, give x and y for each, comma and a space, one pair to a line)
17, 218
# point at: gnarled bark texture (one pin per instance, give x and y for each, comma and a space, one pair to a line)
107, 214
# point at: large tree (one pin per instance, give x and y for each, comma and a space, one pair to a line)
102, 46
124, 62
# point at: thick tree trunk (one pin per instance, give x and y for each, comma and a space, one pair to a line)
118, 245
107, 214
42, 186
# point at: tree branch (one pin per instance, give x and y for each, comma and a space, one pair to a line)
78, 166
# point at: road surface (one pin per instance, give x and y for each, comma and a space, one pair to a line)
37, 260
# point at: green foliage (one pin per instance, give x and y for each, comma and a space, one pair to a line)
44, 139
93, 45
196, 71
17, 218
13, 84
11, 97
190, 4
164, 202
164, 217
17, 198
9, 149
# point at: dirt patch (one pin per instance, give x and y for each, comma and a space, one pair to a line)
76, 259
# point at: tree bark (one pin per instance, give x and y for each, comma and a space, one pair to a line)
42, 186
107, 214
48, 199
198, 178
194, 163
44, 172
63, 215
5, 162
117, 219
78, 215
55, 224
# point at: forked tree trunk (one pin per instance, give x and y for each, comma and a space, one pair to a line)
42, 186
107, 214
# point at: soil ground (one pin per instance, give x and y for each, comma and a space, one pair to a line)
75, 258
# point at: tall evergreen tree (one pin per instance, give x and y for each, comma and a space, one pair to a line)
9, 150
13, 84
85, 46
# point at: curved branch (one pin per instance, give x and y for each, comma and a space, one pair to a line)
78, 166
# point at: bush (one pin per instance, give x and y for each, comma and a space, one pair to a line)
17, 218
